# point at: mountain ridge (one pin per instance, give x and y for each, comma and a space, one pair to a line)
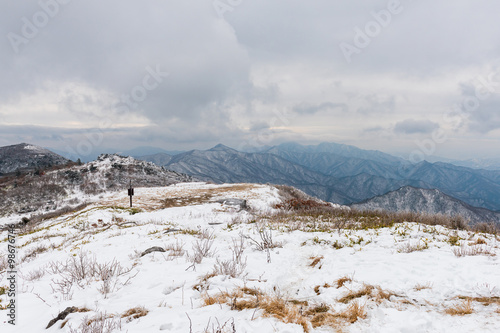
24, 156
429, 201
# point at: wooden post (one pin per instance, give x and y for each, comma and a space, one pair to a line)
131, 192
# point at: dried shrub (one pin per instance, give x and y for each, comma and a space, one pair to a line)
474, 250
101, 323
201, 248
461, 309
410, 247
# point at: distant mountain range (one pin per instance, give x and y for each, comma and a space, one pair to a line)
25, 156
333, 172
418, 200
336, 173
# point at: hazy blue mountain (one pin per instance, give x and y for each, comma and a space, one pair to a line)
159, 158
337, 149
339, 173
428, 201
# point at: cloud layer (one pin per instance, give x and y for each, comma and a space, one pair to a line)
181, 75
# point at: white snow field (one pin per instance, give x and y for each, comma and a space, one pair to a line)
225, 269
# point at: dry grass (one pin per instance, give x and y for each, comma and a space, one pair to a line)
484, 300
135, 313
412, 247
186, 201
317, 288
351, 295
372, 292
461, 309
479, 241
310, 214
354, 312
288, 311
315, 261
175, 249
420, 287
203, 283
474, 250
343, 280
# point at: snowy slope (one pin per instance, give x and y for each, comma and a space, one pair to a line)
405, 278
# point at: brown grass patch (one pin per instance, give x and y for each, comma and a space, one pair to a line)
343, 280
373, 292
482, 300
135, 313
354, 312
317, 291
479, 241
287, 311
186, 201
461, 309
315, 261
365, 291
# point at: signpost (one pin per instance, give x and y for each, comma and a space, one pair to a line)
131, 193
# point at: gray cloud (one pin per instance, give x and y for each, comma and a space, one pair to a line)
412, 126
480, 107
227, 76
377, 104
327, 106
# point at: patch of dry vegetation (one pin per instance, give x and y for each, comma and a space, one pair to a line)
315, 261
340, 282
302, 212
135, 313
474, 250
201, 196
374, 293
420, 287
461, 309
287, 311
483, 300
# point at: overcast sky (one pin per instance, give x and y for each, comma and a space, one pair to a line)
412, 77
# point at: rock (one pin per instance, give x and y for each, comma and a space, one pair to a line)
62, 315
153, 249
234, 202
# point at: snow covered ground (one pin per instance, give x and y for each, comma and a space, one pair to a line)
212, 276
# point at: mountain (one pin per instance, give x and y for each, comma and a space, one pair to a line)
339, 150
53, 189
481, 163
337, 173
158, 159
97, 151
427, 201
25, 156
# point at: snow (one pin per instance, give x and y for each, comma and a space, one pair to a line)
424, 283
